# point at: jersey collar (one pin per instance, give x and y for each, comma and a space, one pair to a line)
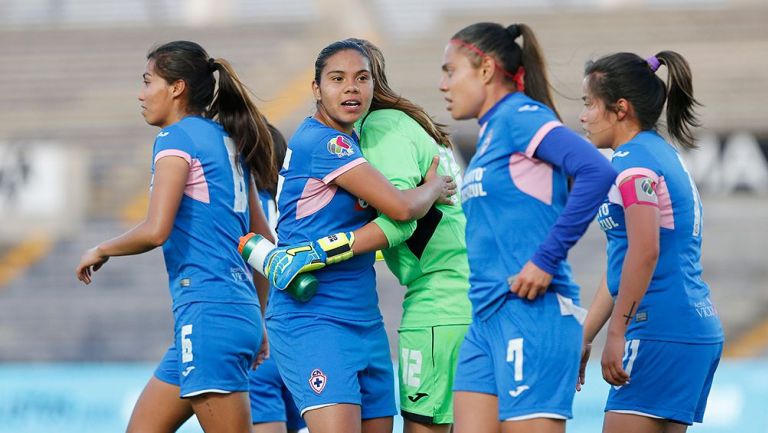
495, 107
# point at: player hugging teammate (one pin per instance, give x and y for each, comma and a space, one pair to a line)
491, 334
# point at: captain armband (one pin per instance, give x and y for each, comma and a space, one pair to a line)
638, 189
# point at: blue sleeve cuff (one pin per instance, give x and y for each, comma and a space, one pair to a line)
547, 264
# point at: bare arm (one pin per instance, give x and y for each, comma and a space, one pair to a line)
599, 311
369, 184
168, 188
643, 235
598, 314
369, 238
642, 224
259, 224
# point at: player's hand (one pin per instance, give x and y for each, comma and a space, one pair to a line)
586, 349
444, 184
531, 282
283, 264
263, 354
613, 354
91, 261
447, 191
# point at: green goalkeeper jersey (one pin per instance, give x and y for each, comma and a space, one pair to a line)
428, 256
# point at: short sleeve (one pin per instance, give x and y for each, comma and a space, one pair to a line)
631, 161
173, 141
337, 154
529, 125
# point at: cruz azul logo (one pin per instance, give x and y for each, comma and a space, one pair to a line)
473, 184
317, 380
340, 146
605, 218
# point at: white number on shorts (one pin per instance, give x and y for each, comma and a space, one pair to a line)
241, 197
630, 354
186, 344
515, 354
411, 361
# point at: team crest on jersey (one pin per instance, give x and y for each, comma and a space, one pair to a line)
340, 146
317, 380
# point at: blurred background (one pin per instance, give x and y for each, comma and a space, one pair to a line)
75, 159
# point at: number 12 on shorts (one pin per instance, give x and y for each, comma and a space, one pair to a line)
411, 370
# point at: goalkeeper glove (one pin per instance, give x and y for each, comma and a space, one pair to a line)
283, 264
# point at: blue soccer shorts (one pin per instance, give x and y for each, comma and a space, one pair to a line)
527, 354
214, 347
270, 399
326, 360
667, 380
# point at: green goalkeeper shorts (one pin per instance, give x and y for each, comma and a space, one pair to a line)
427, 366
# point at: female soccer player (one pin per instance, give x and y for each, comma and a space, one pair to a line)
523, 343
209, 147
428, 256
332, 351
664, 337
272, 407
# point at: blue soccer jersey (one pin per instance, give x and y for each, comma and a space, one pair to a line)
312, 206
511, 200
200, 254
676, 306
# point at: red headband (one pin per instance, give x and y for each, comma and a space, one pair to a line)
517, 77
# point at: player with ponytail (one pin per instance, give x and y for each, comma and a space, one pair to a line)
213, 144
664, 337
522, 347
332, 349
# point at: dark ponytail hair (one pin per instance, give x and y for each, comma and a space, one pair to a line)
230, 104
495, 40
385, 97
279, 148
628, 76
